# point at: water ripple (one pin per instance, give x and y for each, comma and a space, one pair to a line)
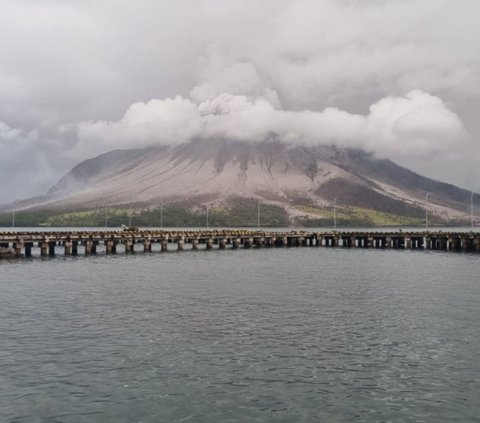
272, 335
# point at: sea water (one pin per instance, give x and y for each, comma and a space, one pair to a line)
258, 335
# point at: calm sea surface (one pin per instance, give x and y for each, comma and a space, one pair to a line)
270, 335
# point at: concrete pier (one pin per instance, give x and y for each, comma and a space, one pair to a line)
194, 243
44, 244
164, 245
180, 244
209, 243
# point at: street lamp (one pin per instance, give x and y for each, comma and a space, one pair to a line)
131, 209
258, 215
471, 209
13, 213
426, 210
335, 213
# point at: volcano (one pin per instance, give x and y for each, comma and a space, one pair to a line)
216, 171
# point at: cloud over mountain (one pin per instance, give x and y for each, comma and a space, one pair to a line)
399, 77
394, 125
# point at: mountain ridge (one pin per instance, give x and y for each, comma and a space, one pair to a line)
213, 171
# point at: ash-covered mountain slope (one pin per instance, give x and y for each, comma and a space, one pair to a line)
215, 170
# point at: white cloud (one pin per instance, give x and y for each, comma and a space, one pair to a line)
394, 126
7, 133
399, 77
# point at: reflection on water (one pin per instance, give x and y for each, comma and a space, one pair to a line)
281, 335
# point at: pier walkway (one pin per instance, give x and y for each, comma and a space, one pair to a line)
21, 244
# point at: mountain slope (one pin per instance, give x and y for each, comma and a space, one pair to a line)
216, 170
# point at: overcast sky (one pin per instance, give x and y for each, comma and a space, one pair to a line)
400, 78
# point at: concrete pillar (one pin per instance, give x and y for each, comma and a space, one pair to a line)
44, 248
88, 247
209, 243
235, 243
129, 246
28, 249
74, 248
408, 243
388, 242
164, 245
450, 243
147, 246
476, 243
247, 242
258, 241
51, 248
284, 241
441, 243
110, 246
454, 243
180, 243
68, 247
18, 246
222, 243
195, 244
428, 243
458, 243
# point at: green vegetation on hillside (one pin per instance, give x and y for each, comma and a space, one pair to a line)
239, 213
236, 213
356, 216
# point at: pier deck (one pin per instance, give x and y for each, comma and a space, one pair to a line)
21, 244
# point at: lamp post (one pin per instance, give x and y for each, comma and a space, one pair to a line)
131, 209
426, 210
13, 213
471, 209
258, 215
335, 213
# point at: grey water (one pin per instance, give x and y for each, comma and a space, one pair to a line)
268, 335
